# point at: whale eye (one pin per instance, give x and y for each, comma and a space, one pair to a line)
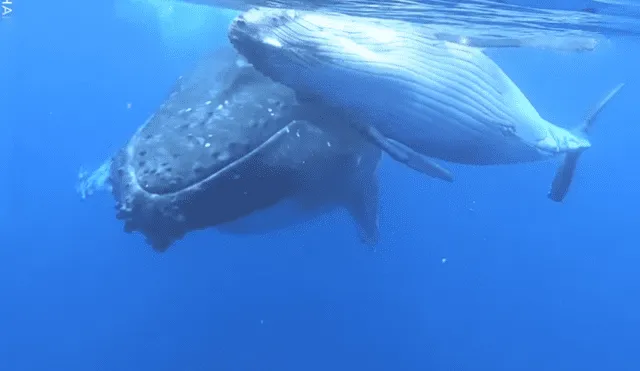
275, 21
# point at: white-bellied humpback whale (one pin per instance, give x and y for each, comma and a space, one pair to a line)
436, 98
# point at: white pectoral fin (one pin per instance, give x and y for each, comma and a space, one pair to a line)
565, 44
564, 175
96, 181
595, 111
406, 155
418, 161
393, 148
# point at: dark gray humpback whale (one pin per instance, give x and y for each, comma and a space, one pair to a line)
437, 98
225, 144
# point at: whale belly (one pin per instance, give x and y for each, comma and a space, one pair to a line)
436, 122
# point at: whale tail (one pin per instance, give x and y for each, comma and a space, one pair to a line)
564, 175
96, 181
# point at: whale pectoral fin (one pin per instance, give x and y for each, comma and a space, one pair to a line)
362, 201
97, 181
595, 110
394, 149
569, 44
420, 162
564, 177
406, 155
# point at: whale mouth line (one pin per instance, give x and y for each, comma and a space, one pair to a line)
223, 170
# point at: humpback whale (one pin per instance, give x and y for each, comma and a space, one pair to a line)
227, 143
433, 97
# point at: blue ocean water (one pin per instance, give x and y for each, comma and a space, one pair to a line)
482, 274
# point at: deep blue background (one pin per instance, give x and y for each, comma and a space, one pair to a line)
527, 284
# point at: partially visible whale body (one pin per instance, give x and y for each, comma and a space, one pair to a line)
440, 99
225, 144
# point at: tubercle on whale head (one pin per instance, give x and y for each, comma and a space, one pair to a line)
257, 29
245, 37
156, 217
255, 36
266, 17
